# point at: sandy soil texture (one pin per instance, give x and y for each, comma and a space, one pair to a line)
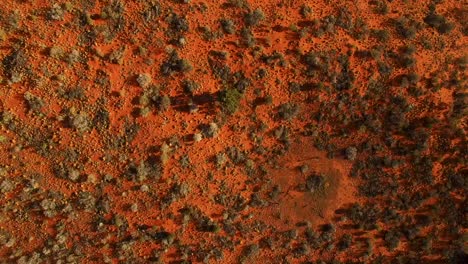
233, 131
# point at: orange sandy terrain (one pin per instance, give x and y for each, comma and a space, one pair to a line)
233, 131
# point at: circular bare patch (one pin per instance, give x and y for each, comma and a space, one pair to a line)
310, 195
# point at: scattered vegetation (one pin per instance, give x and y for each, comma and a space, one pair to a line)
198, 132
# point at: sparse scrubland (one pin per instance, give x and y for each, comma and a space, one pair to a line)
233, 131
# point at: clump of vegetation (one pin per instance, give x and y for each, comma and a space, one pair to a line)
56, 12
380, 7
79, 121
143, 80
248, 38
15, 65
351, 153
166, 152
288, 111
220, 160
249, 252
407, 27
33, 102
381, 34
114, 14
305, 11
56, 52
73, 93
315, 183
152, 11
145, 169
164, 103
197, 137
230, 100
238, 3
177, 23
228, 26
211, 130
253, 19
190, 86
117, 56
174, 64
439, 22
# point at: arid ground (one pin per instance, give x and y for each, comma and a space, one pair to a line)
233, 131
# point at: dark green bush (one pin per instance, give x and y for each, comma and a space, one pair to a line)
230, 99
439, 22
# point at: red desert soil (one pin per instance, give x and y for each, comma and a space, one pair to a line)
295, 205
233, 131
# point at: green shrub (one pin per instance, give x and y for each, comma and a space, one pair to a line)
230, 98
254, 18
439, 22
